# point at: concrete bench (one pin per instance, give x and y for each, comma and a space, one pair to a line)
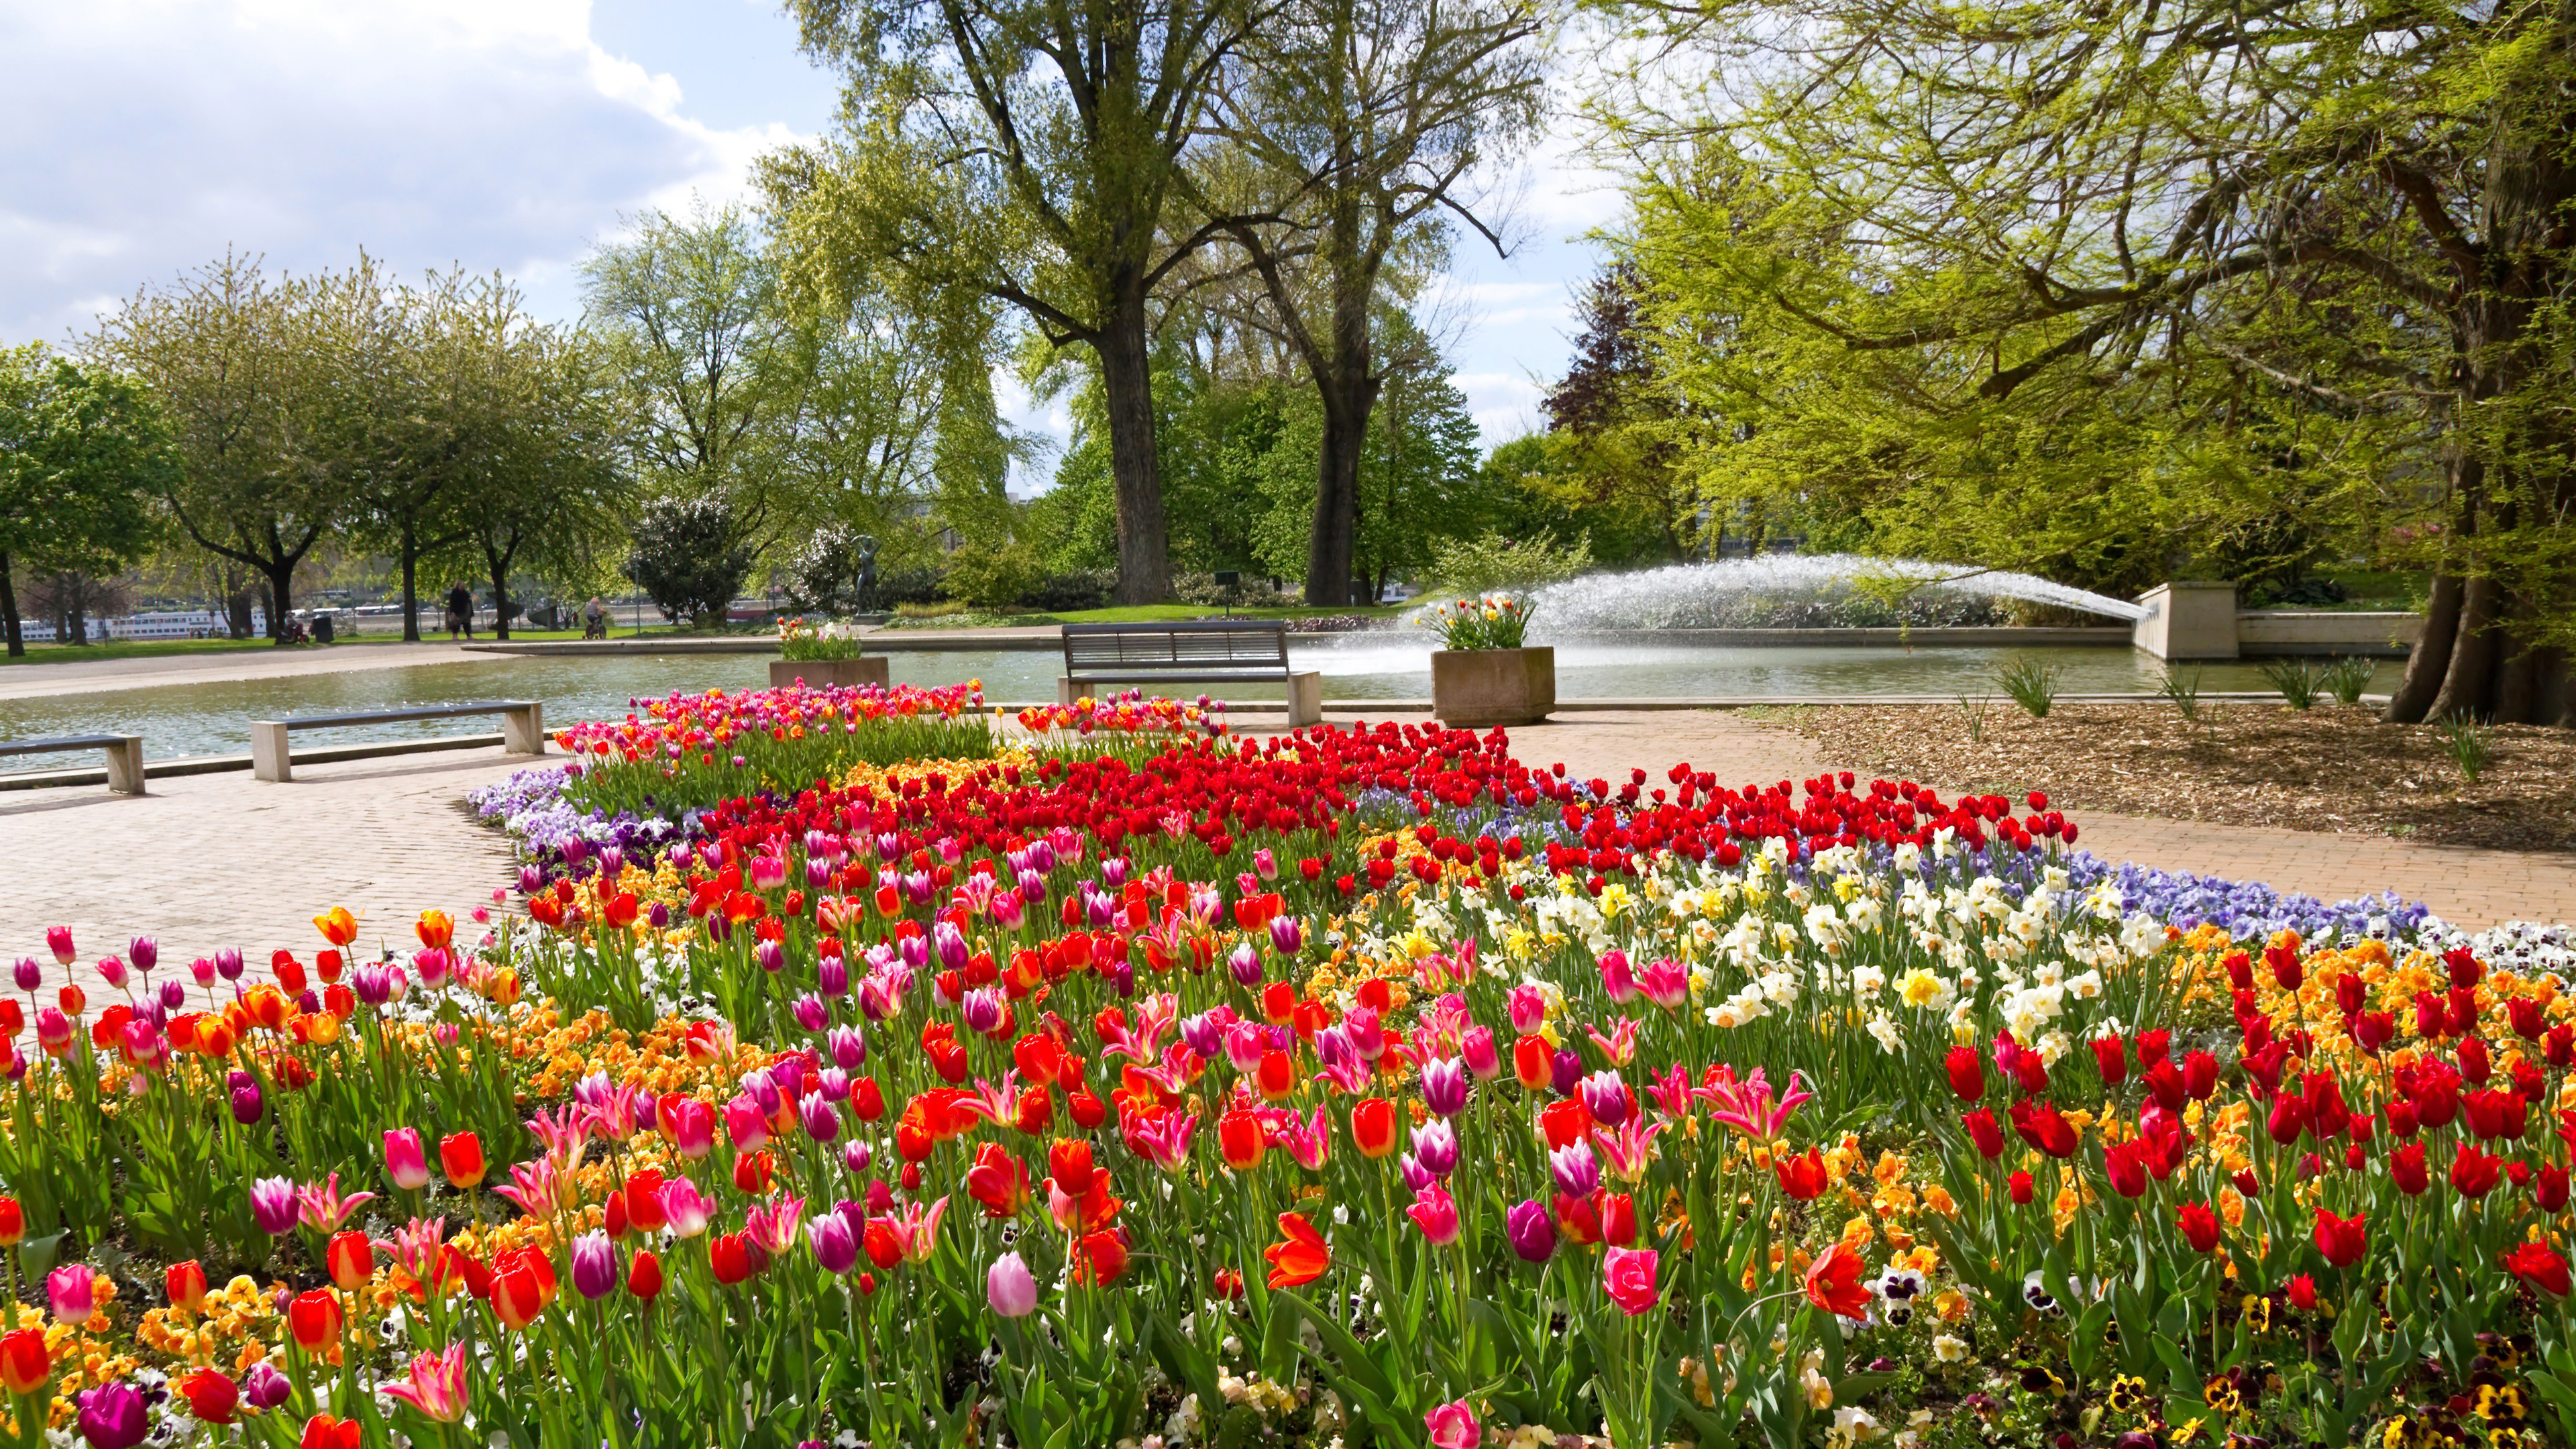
124, 755
1210, 651
522, 729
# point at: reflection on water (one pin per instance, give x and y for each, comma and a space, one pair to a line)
205, 719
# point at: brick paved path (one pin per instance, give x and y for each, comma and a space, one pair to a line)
214, 860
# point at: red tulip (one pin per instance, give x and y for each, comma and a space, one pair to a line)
523, 1283
25, 1363
313, 1319
2474, 1173
644, 1275
1967, 1073
2044, 1127
2303, 1289
1373, 1123
2199, 1226
351, 1259
2343, 1241
1802, 1178
212, 1398
1300, 1256
2539, 1266
1982, 1130
1833, 1282
2110, 1057
460, 1156
1240, 1140
2406, 1168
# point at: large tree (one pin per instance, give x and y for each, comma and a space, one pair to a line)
1365, 123
82, 451
1028, 153
2341, 223
246, 392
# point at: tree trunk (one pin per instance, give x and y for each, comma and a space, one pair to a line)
2468, 686
9, 612
1329, 554
1127, 390
500, 566
281, 598
237, 621
2430, 660
411, 587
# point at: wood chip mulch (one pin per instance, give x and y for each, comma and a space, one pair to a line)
2331, 768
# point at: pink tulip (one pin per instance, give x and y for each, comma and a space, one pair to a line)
437, 1386
405, 1162
1010, 1288
72, 1290
1628, 1276
1454, 1426
684, 1208
1436, 1213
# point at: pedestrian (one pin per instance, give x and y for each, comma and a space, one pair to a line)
460, 612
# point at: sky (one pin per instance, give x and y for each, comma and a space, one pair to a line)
148, 137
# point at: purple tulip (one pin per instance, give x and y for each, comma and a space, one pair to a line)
248, 1107
229, 964
1113, 871
112, 1417
1576, 1171
1287, 934
659, 916
810, 1012
144, 952
265, 1388
822, 1120
1606, 1098
1532, 1232
373, 984
770, 957
856, 1157
594, 1265
849, 1047
28, 974
833, 975
835, 1246
1245, 963
174, 994
1435, 1146
1444, 1086
1565, 1071
272, 1205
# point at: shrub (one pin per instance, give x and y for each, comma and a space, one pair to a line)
688, 557
1490, 562
2298, 680
1068, 592
2347, 677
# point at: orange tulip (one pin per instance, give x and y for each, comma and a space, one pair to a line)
523, 1283
435, 929
1300, 1256
351, 1259
460, 1155
337, 926
187, 1284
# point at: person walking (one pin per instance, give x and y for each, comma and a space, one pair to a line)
460, 612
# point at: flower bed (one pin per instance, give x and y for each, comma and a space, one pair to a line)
1362, 1086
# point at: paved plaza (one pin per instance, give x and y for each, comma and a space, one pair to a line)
222, 859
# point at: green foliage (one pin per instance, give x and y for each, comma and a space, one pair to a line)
2182, 686
1972, 713
1488, 622
2346, 677
2465, 741
2030, 682
1495, 560
2300, 681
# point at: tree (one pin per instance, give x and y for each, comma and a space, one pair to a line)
715, 370
547, 494
82, 449
1365, 120
1616, 424
246, 397
428, 399
1024, 153
2347, 224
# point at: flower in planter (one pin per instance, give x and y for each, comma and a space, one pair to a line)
1496, 621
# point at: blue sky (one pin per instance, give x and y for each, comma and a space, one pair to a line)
148, 136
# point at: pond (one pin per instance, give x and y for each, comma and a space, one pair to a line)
211, 719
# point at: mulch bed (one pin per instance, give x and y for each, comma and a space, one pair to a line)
2331, 768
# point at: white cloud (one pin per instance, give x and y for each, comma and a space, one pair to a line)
148, 136
1504, 405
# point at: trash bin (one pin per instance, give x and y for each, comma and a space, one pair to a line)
321, 628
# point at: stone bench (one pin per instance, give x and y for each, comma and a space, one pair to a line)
522, 729
124, 755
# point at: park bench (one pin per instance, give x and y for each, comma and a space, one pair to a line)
1213, 651
522, 729
124, 755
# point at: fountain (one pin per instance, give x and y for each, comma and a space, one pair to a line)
1801, 591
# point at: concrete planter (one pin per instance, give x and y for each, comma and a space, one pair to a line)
829, 673
1481, 688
